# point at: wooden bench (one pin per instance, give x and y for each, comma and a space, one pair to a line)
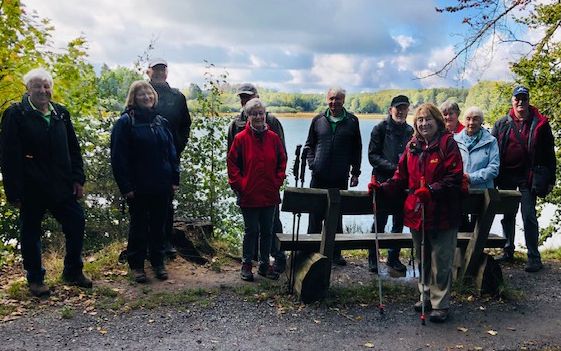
313, 269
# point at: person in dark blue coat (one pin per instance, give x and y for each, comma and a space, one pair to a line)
146, 169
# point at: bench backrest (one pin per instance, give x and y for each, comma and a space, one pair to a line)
311, 200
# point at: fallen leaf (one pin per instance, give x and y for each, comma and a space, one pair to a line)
462, 329
482, 308
478, 348
511, 328
150, 321
459, 346
369, 345
292, 329
358, 318
492, 332
317, 321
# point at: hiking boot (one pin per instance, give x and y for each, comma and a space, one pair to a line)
373, 264
279, 265
77, 280
39, 289
246, 273
506, 257
532, 267
161, 272
339, 260
438, 316
139, 275
418, 306
396, 265
267, 271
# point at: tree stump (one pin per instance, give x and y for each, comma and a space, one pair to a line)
310, 284
191, 239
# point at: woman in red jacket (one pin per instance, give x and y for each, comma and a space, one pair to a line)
430, 171
256, 171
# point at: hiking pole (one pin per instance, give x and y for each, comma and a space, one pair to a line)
302, 176
374, 211
423, 321
295, 171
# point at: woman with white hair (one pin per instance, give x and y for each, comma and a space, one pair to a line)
480, 155
256, 171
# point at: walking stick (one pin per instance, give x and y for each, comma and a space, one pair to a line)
302, 176
295, 171
374, 211
423, 321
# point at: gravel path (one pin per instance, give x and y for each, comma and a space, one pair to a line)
228, 321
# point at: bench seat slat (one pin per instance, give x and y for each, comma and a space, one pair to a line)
311, 242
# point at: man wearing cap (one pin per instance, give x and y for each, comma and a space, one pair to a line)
334, 150
387, 142
528, 164
172, 105
246, 92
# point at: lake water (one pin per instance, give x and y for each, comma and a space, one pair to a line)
296, 132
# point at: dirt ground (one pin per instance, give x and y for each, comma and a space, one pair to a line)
228, 319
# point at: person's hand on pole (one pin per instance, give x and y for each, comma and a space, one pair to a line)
423, 192
373, 186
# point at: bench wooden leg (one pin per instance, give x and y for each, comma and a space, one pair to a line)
310, 284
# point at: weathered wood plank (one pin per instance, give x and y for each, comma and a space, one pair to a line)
311, 242
311, 200
330, 228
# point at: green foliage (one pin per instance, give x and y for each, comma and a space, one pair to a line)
204, 190
491, 97
113, 86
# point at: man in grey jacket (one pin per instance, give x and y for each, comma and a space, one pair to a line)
334, 150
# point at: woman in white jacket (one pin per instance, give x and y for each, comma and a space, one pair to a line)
480, 155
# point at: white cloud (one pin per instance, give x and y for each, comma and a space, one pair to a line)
290, 45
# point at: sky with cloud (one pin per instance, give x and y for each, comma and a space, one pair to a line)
300, 46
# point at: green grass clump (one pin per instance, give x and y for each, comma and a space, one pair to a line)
18, 290
67, 312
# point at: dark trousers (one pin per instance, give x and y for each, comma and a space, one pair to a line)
397, 227
168, 225
258, 223
315, 221
148, 213
530, 221
71, 217
277, 228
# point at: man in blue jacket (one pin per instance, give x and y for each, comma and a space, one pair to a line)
43, 170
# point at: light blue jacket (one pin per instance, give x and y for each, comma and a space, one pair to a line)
481, 163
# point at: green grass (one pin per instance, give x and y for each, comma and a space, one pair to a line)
18, 290
67, 312
368, 294
552, 254
105, 260
6, 310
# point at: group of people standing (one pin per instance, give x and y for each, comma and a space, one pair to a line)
43, 170
422, 168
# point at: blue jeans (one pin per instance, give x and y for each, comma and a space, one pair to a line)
71, 217
397, 227
258, 223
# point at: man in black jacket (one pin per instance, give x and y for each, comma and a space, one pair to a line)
334, 149
387, 142
43, 170
528, 163
246, 92
172, 105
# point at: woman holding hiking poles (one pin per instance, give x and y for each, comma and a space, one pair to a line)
430, 171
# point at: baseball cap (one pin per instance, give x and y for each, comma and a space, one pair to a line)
157, 61
520, 90
247, 88
400, 100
